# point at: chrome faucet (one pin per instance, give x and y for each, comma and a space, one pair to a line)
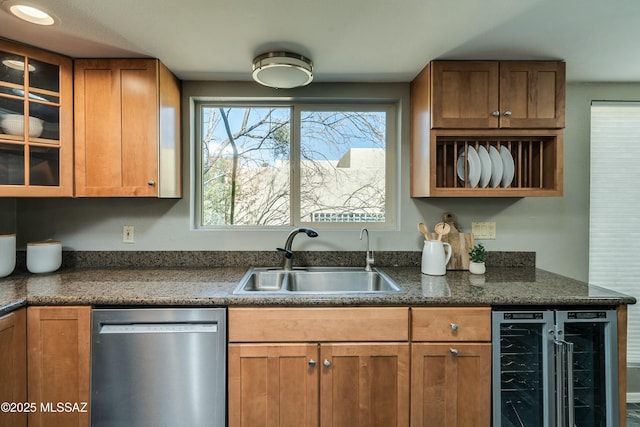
288, 254
370, 259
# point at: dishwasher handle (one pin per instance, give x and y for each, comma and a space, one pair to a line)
158, 328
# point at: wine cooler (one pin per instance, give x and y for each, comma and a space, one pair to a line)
555, 368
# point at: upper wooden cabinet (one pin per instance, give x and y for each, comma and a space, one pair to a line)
486, 94
532, 94
488, 129
36, 93
127, 129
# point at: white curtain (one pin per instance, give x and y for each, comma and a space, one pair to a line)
614, 227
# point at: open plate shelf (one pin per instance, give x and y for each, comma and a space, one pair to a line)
531, 164
529, 160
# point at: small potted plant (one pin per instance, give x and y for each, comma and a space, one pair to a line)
477, 255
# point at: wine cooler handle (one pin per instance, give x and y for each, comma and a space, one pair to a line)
570, 394
565, 404
560, 389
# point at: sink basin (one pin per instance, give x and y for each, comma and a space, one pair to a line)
265, 281
316, 280
340, 281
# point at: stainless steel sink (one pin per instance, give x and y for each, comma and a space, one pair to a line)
263, 281
316, 280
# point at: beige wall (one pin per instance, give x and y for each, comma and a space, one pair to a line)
555, 228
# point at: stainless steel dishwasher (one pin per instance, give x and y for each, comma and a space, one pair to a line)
158, 367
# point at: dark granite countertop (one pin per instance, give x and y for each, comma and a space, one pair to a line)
500, 286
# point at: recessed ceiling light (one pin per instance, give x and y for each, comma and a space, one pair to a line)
31, 14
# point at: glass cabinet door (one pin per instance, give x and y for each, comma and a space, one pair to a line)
31, 132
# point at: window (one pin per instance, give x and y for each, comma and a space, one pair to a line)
272, 165
614, 205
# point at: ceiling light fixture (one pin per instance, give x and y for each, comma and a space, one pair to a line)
282, 70
31, 14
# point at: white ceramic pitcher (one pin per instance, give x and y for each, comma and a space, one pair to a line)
434, 259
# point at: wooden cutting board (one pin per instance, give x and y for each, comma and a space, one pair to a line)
461, 244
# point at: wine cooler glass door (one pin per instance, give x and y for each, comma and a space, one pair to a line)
522, 372
594, 338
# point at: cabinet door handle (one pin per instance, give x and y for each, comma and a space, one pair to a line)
454, 351
496, 113
151, 183
326, 363
312, 363
507, 113
454, 326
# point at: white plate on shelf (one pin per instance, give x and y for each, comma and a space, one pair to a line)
508, 168
496, 167
474, 167
485, 164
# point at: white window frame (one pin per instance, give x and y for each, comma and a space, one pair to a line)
392, 177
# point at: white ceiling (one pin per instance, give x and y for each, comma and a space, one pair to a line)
348, 40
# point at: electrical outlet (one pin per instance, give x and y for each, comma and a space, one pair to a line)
483, 230
127, 234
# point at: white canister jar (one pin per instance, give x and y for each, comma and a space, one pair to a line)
44, 257
7, 254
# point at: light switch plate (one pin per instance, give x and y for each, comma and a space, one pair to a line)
483, 230
128, 234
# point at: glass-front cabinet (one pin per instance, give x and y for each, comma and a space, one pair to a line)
36, 122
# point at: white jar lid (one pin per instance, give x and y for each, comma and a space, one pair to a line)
44, 242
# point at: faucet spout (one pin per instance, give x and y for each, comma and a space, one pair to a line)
370, 260
288, 253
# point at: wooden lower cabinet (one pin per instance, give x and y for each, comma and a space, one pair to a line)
328, 384
13, 367
364, 385
328, 370
58, 358
327, 367
451, 367
273, 385
450, 384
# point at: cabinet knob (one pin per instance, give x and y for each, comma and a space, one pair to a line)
312, 363
496, 113
507, 113
326, 363
454, 351
151, 182
454, 326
